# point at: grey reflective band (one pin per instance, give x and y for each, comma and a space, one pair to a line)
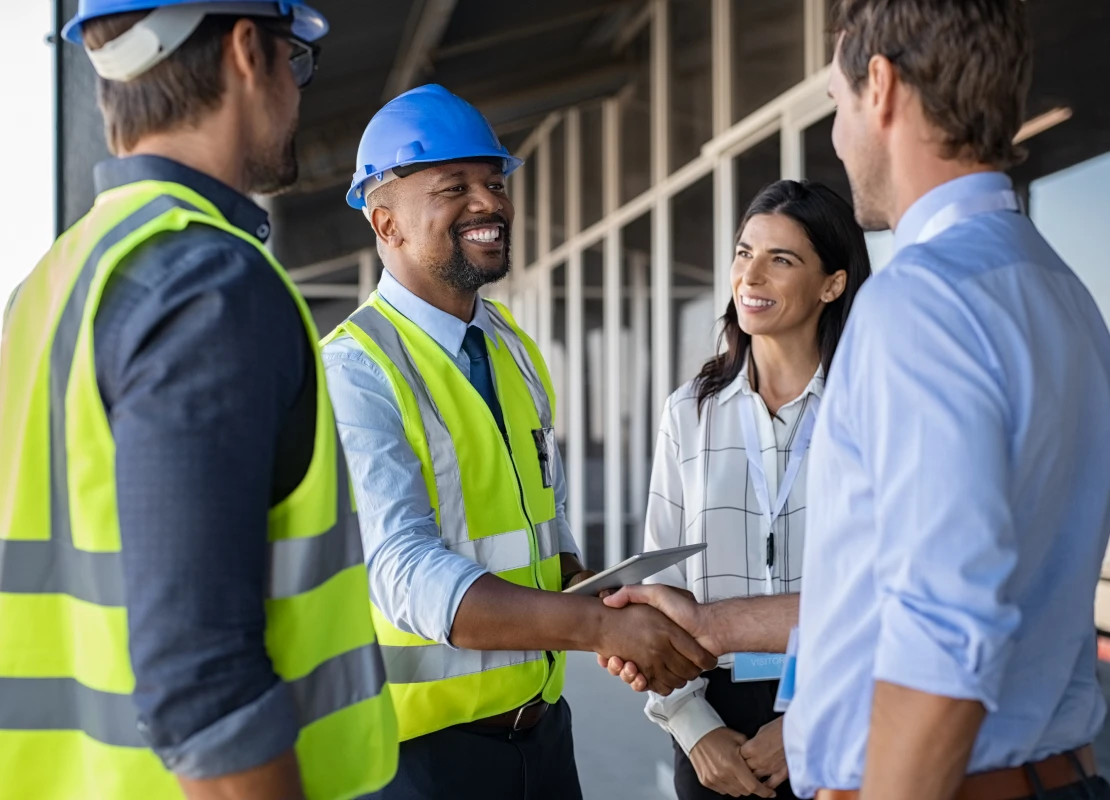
547, 539
445, 462
437, 662
57, 567
498, 553
524, 364
339, 682
300, 564
63, 704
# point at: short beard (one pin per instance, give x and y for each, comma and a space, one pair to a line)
276, 170
869, 196
466, 277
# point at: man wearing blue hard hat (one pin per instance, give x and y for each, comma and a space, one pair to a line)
178, 550
446, 410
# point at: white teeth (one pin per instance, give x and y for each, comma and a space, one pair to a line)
755, 302
483, 235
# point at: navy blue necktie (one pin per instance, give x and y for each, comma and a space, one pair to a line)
474, 345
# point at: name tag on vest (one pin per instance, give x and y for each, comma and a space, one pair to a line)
757, 666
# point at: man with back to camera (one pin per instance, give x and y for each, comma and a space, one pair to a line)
446, 410
179, 559
947, 643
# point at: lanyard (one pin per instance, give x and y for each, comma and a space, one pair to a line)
961, 210
759, 478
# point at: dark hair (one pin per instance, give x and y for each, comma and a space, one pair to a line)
176, 91
969, 60
830, 225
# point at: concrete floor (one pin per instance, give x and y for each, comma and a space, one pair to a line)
622, 756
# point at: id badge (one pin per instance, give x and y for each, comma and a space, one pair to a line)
786, 683
545, 449
757, 666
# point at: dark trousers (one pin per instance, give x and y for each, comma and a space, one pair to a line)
488, 763
1091, 789
743, 707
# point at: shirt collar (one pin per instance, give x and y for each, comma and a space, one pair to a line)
816, 386
446, 329
918, 215
238, 209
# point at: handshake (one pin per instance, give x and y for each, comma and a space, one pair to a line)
661, 640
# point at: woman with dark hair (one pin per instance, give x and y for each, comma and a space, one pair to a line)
730, 469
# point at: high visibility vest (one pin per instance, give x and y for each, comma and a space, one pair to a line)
492, 501
68, 727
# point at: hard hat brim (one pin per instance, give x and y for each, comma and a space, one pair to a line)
308, 23
357, 199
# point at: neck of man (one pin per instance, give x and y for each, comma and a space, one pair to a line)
435, 293
916, 171
212, 146
785, 364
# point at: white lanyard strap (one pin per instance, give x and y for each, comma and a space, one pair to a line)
961, 210
753, 449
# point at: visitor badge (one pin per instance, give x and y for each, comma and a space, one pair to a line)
757, 666
786, 682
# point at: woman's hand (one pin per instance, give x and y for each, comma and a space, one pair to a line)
765, 754
721, 767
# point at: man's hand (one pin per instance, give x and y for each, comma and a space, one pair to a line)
678, 604
666, 657
721, 768
577, 578
765, 754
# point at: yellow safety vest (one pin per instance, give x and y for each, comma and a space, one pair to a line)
493, 505
68, 727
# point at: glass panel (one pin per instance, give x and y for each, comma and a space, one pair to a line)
692, 279
593, 318
755, 168
1069, 209
691, 117
635, 134
558, 185
639, 428
591, 165
768, 51
557, 358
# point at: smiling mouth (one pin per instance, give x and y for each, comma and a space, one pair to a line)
755, 303
486, 234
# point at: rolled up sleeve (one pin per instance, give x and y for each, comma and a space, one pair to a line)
415, 581
933, 426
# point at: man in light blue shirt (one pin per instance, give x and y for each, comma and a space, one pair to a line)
959, 471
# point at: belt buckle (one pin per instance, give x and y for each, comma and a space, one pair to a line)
520, 713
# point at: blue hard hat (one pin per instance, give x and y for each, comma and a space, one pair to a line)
308, 23
424, 125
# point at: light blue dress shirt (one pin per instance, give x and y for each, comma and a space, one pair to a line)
959, 497
415, 581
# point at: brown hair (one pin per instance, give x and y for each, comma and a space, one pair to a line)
969, 60
177, 91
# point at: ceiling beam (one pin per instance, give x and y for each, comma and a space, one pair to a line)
424, 30
480, 43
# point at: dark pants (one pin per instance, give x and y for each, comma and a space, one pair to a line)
488, 763
744, 707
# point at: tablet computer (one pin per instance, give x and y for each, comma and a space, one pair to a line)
633, 570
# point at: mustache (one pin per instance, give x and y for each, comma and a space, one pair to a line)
478, 222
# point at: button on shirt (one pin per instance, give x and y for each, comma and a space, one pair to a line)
958, 497
414, 579
696, 496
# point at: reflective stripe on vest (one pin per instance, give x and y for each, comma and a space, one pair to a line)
52, 702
